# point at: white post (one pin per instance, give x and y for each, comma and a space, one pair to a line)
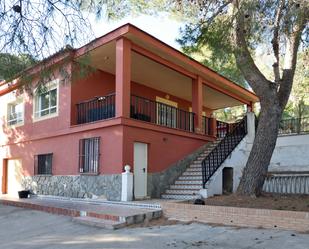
251, 126
127, 184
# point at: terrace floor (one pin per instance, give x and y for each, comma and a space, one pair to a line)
92, 212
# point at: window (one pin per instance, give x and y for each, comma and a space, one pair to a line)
15, 113
89, 153
46, 100
43, 164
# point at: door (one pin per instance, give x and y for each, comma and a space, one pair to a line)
14, 177
227, 174
140, 170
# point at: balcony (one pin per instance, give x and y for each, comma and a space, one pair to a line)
143, 109
98, 108
161, 114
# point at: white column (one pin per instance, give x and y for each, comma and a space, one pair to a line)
127, 184
251, 126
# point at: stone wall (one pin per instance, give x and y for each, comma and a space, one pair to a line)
79, 186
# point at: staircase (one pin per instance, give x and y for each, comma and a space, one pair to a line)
188, 185
199, 172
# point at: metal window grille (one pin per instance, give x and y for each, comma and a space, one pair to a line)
43, 164
89, 155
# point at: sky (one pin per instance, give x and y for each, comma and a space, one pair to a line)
163, 28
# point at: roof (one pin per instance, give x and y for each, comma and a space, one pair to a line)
149, 42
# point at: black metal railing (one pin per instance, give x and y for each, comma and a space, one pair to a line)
222, 128
207, 125
161, 114
98, 108
294, 126
217, 156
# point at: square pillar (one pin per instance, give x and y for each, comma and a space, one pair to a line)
197, 103
213, 126
123, 77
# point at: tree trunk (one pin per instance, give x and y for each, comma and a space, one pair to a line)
253, 178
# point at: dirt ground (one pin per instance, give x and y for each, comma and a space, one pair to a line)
266, 201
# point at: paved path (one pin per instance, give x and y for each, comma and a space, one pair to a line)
28, 229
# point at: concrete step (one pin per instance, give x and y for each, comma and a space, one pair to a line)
192, 173
195, 166
178, 197
186, 186
188, 182
97, 222
194, 169
182, 191
191, 178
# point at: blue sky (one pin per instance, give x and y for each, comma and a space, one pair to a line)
162, 27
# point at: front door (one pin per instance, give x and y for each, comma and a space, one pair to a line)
14, 177
140, 170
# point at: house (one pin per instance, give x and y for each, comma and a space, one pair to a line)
125, 98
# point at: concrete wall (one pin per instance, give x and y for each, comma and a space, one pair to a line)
291, 154
100, 83
236, 160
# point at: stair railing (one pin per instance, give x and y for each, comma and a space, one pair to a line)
217, 156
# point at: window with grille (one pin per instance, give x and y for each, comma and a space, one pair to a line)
89, 154
43, 164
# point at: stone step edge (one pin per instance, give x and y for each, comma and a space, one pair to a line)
181, 187
97, 222
99, 201
178, 197
132, 219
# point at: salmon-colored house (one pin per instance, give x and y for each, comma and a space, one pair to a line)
140, 103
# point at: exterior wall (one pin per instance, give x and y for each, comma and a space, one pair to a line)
291, 154
164, 149
237, 160
57, 135
99, 83
159, 182
31, 127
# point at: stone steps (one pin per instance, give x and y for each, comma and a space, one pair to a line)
188, 182
178, 197
97, 222
194, 169
192, 173
188, 185
182, 191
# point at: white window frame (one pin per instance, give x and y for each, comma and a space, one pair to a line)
50, 86
18, 100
